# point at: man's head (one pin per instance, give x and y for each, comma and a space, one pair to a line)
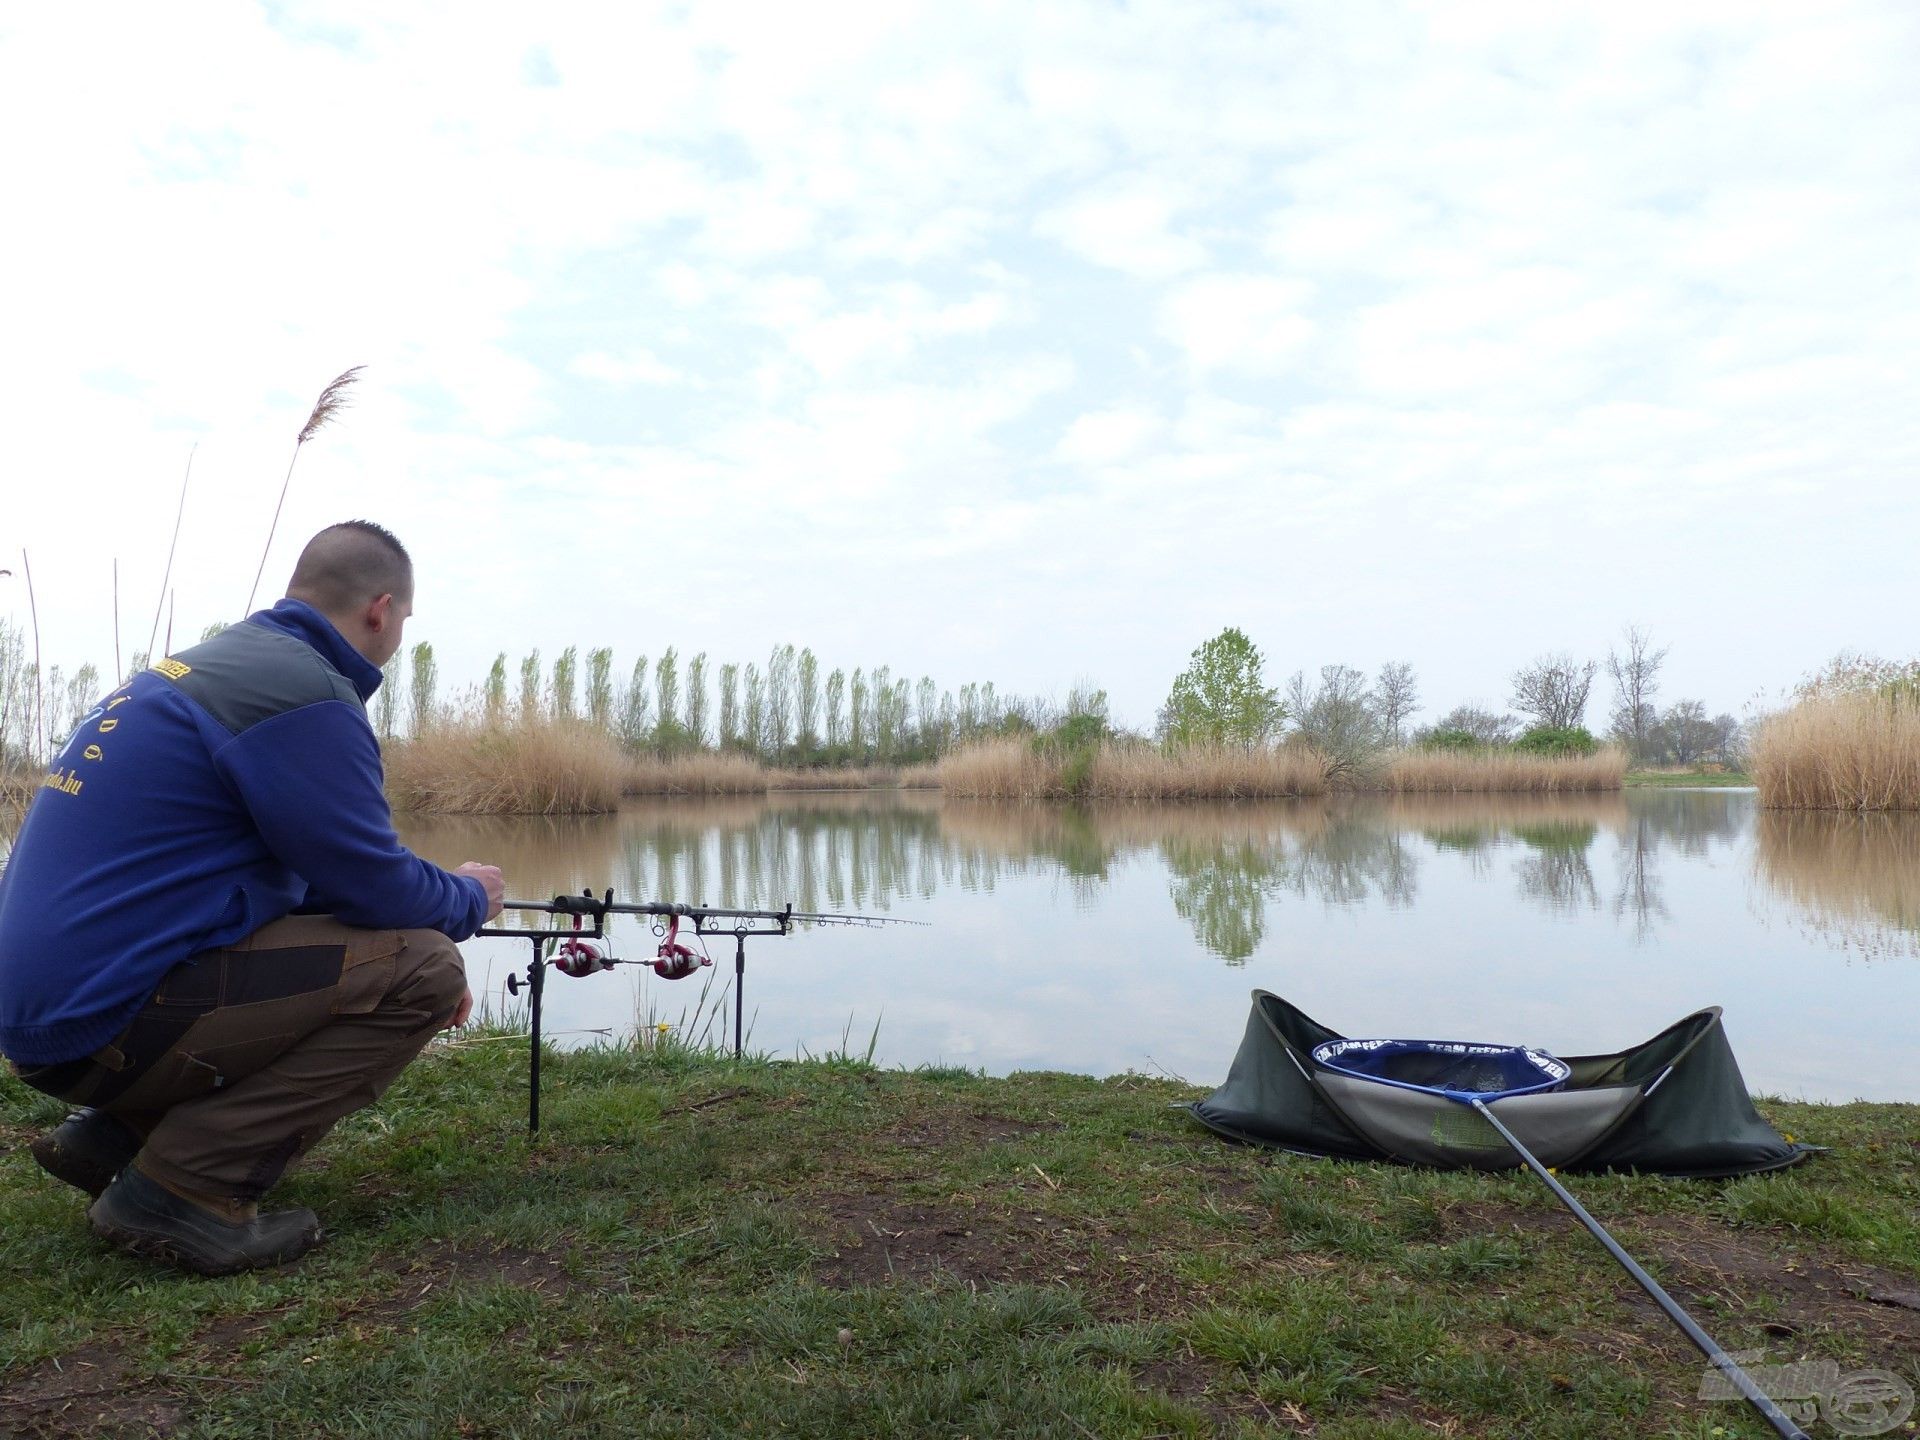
360, 577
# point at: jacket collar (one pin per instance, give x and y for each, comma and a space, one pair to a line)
303, 622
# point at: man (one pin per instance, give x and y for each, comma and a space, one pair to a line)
209, 932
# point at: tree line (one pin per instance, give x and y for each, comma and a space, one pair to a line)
1222, 697
785, 712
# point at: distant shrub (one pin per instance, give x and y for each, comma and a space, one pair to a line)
1557, 740
1450, 739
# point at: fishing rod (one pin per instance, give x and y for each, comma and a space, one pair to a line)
1782, 1423
582, 947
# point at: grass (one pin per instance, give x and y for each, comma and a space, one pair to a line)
1686, 779
1849, 751
702, 1248
1454, 771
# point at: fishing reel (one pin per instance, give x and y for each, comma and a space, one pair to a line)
579, 958
571, 957
675, 961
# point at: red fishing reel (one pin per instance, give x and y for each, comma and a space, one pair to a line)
675, 961
579, 958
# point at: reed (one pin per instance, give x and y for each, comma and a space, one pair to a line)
465, 766
1849, 751
699, 773
1016, 769
852, 777
1487, 771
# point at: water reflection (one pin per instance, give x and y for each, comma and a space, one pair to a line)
1226, 866
1854, 878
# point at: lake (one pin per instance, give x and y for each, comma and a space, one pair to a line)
1119, 938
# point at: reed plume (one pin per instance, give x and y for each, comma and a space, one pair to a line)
332, 401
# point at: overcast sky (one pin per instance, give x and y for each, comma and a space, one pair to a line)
1020, 343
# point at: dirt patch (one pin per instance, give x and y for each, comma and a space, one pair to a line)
879, 1239
942, 1130
1804, 1291
83, 1395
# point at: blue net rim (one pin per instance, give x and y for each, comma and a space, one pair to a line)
1532, 1072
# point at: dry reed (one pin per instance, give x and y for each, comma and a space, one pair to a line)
467, 767
1016, 769
701, 773
332, 401
1456, 771
1856, 751
706, 773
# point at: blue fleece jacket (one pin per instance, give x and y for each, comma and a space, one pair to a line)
212, 794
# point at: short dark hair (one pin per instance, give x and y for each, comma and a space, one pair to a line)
349, 565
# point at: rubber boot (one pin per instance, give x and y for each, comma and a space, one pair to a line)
86, 1150
141, 1215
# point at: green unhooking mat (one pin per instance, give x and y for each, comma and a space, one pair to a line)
1673, 1105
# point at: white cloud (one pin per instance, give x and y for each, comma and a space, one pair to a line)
1127, 227
1251, 323
635, 366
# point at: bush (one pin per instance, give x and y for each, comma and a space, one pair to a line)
1450, 739
1557, 740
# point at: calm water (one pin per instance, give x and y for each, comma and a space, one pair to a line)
1130, 937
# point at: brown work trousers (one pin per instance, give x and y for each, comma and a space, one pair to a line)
245, 1056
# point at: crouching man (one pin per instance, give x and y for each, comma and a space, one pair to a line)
210, 936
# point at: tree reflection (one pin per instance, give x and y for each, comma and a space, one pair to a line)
1556, 871
1227, 864
1339, 857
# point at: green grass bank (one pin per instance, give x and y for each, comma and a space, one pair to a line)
1686, 779
702, 1248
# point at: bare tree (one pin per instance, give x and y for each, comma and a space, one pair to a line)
1636, 681
1553, 690
1396, 695
1334, 716
1686, 731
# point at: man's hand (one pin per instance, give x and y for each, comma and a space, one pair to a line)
496, 883
460, 1015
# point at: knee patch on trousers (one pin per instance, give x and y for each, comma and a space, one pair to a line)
433, 977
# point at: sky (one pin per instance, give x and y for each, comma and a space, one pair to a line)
1031, 343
